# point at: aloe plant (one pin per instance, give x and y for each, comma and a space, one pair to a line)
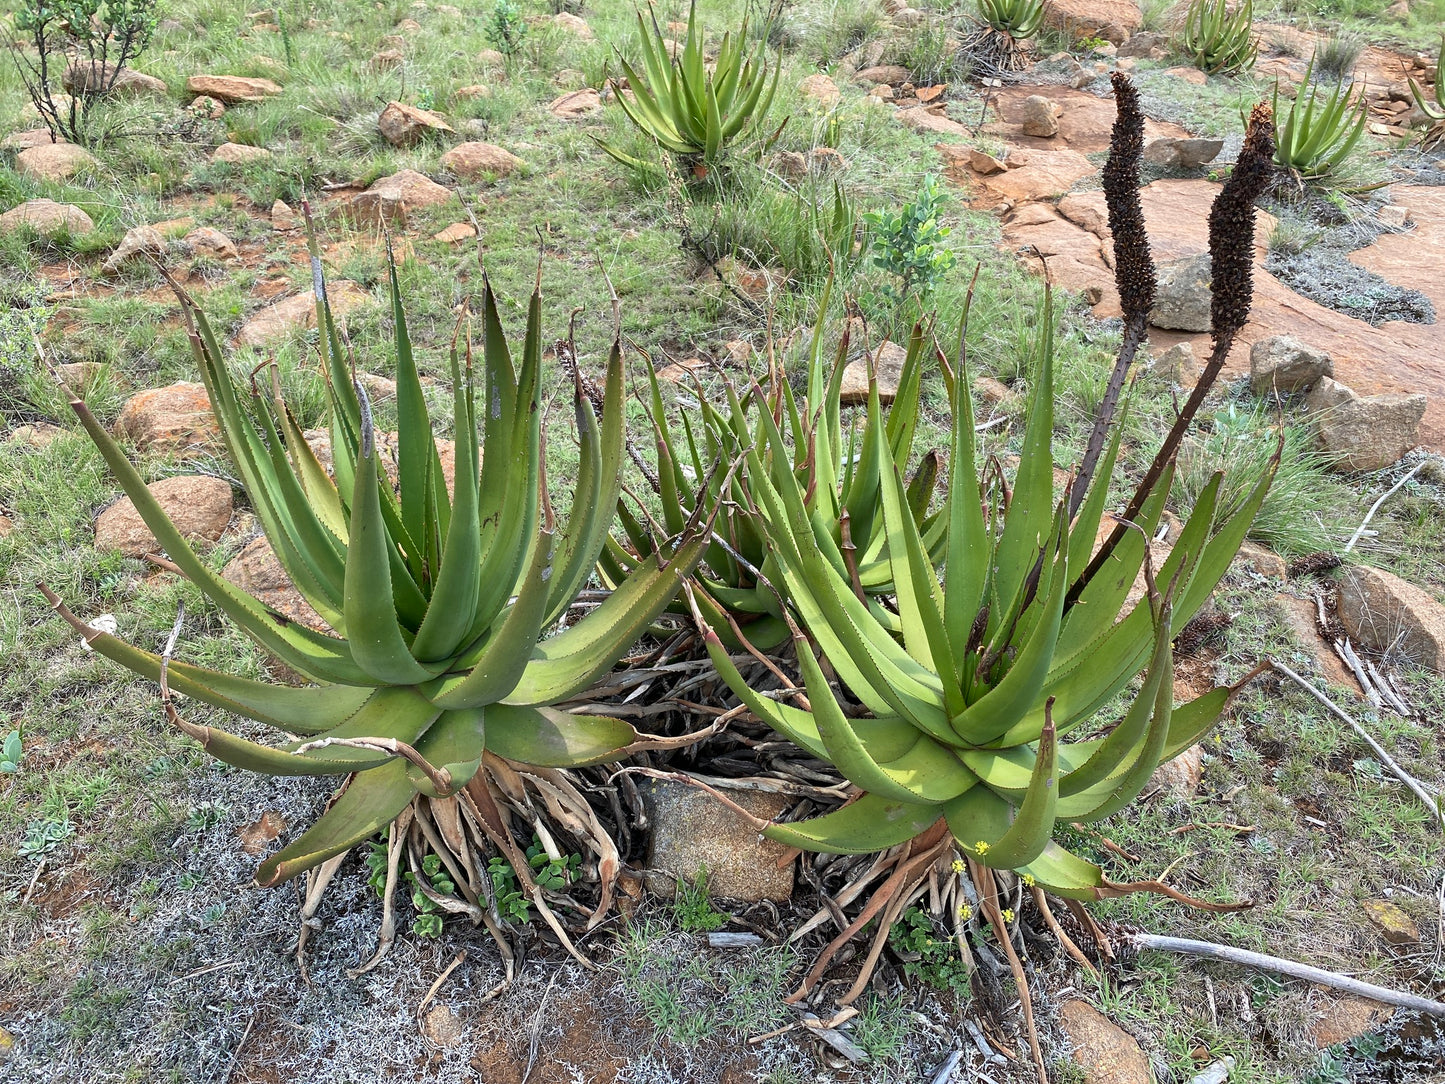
1435, 109
974, 699
967, 699
838, 470
1217, 40
1317, 133
1020, 19
687, 109
436, 601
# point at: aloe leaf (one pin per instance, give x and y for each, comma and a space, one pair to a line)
551, 738
869, 824
366, 805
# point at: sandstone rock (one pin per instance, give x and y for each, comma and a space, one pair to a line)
993, 392
472, 92
393, 198
1174, 153
404, 125
1143, 45
25, 139
48, 218
1393, 216
909, 18
472, 160
53, 161
790, 164
78, 375
573, 24
455, 233
1262, 560
1183, 298
1281, 363
1105, 1052
1364, 432
892, 74
441, 1024
138, 241
408, 26
199, 506
692, 831
208, 241
283, 219
82, 75
1174, 363
922, 120
7, 528
1190, 75
1395, 925
298, 313
1112, 20
882, 92
238, 154
490, 58
1386, 614
819, 88
384, 60
825, 161
1181, 775
569, 79
888, 362
1040, 116
257, 571
233, 89
983, 162
176, 418
576, 103
1348, 1018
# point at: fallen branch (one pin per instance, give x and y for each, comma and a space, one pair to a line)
1303, 972
1432, 801
1385, 496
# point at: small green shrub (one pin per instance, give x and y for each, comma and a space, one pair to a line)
428, 921
909, 244
83, 44
505, 28
1217, 40
929, 955
693, 909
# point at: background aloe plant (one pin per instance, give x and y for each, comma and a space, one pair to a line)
1316, 134
1435, 109
436, 601
838, 469
687, 109
1218, 40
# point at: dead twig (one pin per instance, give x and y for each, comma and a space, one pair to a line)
1432, 801
1376, 506
1290, 968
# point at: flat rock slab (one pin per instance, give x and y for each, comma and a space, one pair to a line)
1397, 357
232, 89
1084, 119
693, 830
298, 313
47, 217
1029, 175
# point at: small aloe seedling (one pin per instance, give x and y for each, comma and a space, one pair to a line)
11, 752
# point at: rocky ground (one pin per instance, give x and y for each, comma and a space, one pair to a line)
134, 949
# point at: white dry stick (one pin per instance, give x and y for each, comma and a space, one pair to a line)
1376, 506
1303, 972
1432, 801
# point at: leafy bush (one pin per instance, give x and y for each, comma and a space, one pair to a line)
1217, 40
909, 244
90, 42
437, 601
505, 28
